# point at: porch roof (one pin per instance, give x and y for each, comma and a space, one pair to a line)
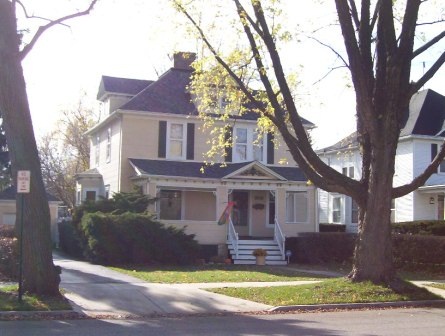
193, 169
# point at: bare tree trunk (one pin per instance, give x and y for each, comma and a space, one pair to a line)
373, 252
39, 274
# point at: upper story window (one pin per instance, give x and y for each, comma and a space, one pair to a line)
348, 171
97, 150
247, 146
434, 150
176, 135
108, 152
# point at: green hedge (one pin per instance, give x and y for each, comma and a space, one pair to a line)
418, 249
319, 247
69, 240
339, 247
134, 238
424, 227
328, 227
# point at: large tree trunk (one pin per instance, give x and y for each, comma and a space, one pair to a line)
39, 274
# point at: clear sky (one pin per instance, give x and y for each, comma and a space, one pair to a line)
134, 39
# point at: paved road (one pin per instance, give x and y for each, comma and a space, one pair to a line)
403, 322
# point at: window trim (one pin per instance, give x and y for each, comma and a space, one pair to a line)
251, 134
305, 193
97, 151
183, 140
108, 147
341, 209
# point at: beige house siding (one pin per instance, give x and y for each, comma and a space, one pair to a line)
199, 206
8, 213
109, 168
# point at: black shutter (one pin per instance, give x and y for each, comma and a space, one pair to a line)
433, 151
190, 141
228, 136
270, 149
162, 140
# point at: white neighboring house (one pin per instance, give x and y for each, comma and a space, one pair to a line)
419, 141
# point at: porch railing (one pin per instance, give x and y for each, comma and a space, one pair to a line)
279, 237
232, 237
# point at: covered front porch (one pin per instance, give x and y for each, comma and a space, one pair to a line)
267, 206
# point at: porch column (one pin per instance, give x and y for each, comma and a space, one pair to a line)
280, 205
151, 190
222, 198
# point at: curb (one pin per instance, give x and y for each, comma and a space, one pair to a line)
367, 305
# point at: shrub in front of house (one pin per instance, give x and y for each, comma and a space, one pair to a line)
413, 251
417, 250
320, 247
422, 227
8, 253
328, 227
132, 238
69, 240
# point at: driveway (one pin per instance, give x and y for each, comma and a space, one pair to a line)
97, 290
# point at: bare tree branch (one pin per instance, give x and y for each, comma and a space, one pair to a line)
429, 44
429, 74
330, 48
422, 178
42, 29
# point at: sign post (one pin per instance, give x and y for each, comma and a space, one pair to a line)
23, 187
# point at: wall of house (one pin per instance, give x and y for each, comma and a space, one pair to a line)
422, 156
110, 169
199, 206
8, 216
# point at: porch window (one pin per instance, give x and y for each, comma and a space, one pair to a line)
296, 207
336, 209
170, 204
176, 141
271, 209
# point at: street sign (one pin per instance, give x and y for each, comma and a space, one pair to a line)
23, 181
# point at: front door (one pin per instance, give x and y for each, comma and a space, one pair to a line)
240, 214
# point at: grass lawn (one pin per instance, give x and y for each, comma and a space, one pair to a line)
214, 273
9, 301
329, 291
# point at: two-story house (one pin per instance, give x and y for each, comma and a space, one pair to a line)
151, 137
420, 138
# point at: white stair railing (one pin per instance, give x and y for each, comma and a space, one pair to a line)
232, 237
279, 237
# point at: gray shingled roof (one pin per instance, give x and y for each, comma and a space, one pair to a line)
426, 114
426, 117
119, 85
193, 169
169, 94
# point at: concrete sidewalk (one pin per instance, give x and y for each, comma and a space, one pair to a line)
95, 290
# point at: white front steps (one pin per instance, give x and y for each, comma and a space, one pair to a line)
246, 247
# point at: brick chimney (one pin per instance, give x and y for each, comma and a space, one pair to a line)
183, 60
